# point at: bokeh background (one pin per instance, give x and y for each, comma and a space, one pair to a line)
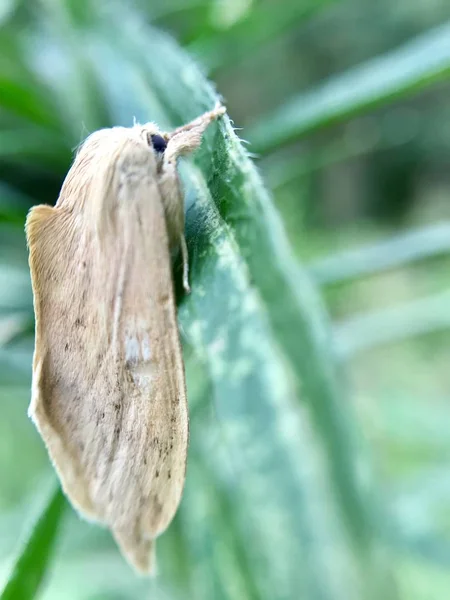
344, 105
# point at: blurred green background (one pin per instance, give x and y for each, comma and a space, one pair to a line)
317, 346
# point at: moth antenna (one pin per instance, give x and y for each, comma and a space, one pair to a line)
84, 133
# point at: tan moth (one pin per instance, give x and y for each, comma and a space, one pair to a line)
108, 391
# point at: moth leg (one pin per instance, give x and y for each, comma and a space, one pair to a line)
174, 211
183, 140
182, 143
185, 257
201, 122
188, 138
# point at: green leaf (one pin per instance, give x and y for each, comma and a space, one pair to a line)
390, 325
218, 557
23, 94
34, 559
259, 26
402, 72
402, 249
256, 406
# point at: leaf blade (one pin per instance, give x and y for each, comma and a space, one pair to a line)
32, 563
418, 64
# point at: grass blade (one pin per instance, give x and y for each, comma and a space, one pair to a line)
260, 26
402, 249
366, 331
34, 559
400, 73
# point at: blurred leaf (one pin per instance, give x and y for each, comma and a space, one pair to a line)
13, 326
402, 249
14, 285
23, 101
261, 25
13, 206
33, 561
422, 581
23, 95
366, 331
402, 72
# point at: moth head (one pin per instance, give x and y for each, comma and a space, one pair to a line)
156, 140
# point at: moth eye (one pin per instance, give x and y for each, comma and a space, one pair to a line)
159, 143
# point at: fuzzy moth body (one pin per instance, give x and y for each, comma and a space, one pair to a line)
108, 391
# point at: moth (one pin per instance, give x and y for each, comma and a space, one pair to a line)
108, 388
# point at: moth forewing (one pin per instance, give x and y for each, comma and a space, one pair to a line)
108, 394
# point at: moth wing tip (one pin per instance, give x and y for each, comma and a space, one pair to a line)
140, 553
37, 217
